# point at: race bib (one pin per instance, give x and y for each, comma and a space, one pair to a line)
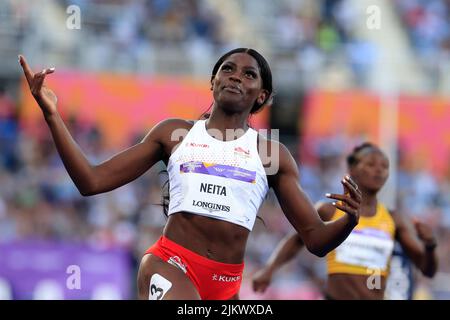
370, 248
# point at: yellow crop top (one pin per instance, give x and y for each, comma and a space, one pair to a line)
368, 248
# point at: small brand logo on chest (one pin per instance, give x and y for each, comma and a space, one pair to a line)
242, 152
196, 145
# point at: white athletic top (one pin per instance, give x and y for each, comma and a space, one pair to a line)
219, 179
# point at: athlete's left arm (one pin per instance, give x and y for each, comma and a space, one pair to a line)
319, 237
418, 241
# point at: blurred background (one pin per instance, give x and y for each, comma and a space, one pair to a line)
345, 71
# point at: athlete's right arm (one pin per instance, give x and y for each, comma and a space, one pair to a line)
285, 251
92, 179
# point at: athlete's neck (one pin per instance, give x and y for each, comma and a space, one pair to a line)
369, 199
221, 121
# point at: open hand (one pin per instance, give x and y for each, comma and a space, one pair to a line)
350, 201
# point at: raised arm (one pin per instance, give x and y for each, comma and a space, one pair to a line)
418, 242
92, 179
319, 237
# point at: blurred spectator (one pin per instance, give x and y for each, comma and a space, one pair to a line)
427, 23
326, 173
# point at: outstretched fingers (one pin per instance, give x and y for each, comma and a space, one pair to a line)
352, 188
29, 75
354, 212
38, 80
35, 81
351, 199
344, 199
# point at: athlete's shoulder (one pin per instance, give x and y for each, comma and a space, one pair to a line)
173, 126
393, 213
397, 216
273, 147
171, 129
174, 123
276, 155
263, 139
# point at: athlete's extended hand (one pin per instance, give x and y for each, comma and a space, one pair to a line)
43, 95
425, 233
261, 280
350, 201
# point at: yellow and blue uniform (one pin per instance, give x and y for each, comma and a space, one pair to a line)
368, 248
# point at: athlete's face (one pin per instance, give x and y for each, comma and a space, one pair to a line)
238, 84
372, 171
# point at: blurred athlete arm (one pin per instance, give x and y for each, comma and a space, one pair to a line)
318, 236
418, 242
285, 251
93, 179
